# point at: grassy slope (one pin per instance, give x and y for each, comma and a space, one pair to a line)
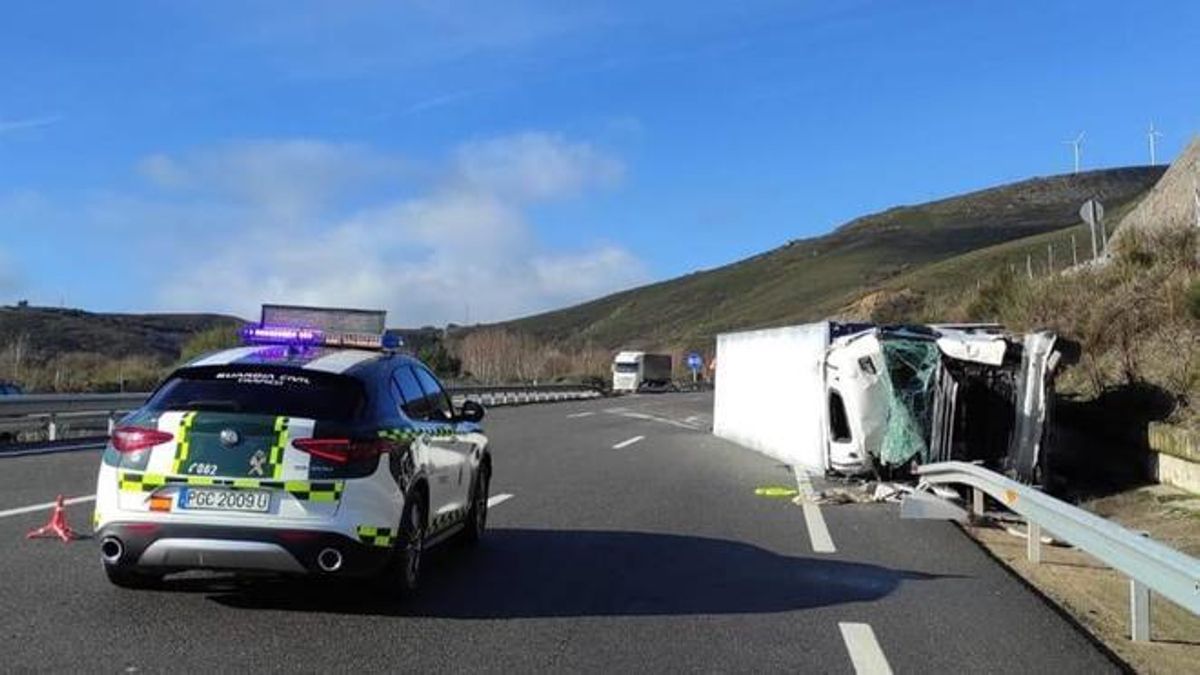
810, 279
943, 283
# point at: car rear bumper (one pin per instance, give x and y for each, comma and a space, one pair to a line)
170, 547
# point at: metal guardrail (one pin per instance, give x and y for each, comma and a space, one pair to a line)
19, 413
33, 411
1150, 565
494, 395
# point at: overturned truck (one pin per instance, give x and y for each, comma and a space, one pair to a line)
862, 398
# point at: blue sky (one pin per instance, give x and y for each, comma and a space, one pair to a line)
443, 158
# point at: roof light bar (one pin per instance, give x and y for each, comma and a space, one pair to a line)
311, 327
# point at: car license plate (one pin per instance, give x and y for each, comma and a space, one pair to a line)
211, 499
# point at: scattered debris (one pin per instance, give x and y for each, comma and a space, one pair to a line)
863, 493
924, 506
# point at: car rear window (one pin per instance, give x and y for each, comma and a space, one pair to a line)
261, 390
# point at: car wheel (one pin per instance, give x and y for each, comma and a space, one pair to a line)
133, 579
402, 576
477, 515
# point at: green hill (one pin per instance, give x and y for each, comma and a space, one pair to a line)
809, 279
49, 349
50, 331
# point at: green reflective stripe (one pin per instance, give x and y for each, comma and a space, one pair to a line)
376, 536
408, 434
130, 481
281, 439
183, 444
303, 490
448, 519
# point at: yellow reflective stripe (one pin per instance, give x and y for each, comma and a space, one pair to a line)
281, 439
182, 446
302, 490
128, 481
375, 536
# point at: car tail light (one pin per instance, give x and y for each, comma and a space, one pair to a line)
341, 450
132, 439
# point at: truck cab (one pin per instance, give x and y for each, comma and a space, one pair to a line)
627, 371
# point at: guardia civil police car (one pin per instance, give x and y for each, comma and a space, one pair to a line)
311, 450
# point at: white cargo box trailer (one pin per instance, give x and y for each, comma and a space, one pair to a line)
849, 397
770, 392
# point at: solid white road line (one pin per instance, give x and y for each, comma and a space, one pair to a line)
627, 443
865, 654
47, 505
496, 500
818, 532
576, 416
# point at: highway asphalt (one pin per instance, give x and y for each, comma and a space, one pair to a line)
652, 554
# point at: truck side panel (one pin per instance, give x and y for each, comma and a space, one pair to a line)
770, 393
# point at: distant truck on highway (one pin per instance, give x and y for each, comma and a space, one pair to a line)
635, 371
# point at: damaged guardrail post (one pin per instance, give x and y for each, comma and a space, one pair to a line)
1139, 611
976, 502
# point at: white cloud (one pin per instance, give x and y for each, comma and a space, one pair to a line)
285, 180
535, 166
465, 240
28, 123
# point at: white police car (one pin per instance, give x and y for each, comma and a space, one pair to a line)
294, 455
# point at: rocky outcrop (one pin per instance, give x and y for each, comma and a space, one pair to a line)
1173, 201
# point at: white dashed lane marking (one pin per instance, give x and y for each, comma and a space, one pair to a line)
496, 500
576, 416
865, 653
48, 505
628, 442
818, 532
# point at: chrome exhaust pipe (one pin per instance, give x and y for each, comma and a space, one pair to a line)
111, 549
329, 560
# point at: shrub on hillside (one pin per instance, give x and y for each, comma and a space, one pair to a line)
211, 340
1135, 317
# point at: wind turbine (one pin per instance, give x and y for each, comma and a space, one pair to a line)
1077, 145
1153, 135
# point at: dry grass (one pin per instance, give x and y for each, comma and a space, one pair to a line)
1133, 317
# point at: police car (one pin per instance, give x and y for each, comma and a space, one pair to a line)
313, 450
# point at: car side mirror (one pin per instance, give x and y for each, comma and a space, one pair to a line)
471, 411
